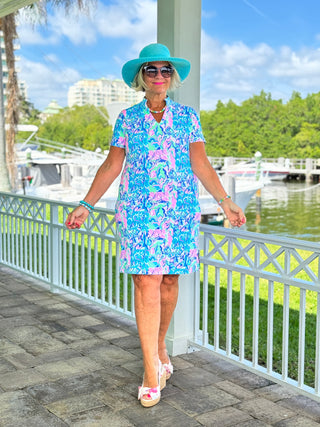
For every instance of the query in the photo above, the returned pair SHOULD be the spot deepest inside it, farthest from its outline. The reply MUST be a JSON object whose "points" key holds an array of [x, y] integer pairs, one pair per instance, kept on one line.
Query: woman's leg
{"points": [[169, 289], [147, 310]]}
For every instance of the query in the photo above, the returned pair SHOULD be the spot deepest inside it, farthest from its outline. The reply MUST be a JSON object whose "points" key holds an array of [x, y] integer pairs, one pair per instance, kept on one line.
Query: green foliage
{"points": [[266, 125], [28, 115], [84, 127]]}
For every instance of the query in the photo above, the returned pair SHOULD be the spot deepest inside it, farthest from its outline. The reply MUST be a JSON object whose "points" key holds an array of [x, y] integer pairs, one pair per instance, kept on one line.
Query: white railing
{"points": [[255, 301], [295, 164], [34, 240], [261, 304]]}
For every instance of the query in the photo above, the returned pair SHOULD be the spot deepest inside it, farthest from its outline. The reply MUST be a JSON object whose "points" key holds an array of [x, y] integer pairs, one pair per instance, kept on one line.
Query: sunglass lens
{"points": [[165, 71], [151, 71]]}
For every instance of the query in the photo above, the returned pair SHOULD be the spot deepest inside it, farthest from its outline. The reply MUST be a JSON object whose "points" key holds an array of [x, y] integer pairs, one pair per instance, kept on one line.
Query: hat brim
{"points": [[131, 68]]}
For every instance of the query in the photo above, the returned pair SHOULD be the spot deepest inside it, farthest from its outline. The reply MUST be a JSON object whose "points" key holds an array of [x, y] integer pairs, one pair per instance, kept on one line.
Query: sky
{"points": [[246, 46]]}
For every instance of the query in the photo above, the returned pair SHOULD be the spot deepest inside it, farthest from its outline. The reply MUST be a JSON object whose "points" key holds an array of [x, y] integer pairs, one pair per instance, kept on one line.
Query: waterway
{"points": [[289, 209]]}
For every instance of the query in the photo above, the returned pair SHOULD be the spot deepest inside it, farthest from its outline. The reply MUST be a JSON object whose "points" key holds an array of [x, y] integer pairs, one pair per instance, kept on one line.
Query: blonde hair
{"points": [[139, 84]]}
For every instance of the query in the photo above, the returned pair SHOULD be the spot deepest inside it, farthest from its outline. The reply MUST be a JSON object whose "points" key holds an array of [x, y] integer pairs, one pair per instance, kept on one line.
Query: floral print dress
{"points": [[157, 210]]}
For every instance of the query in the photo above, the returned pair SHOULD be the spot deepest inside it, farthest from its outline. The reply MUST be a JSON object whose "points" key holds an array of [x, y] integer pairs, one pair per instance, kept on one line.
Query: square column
{"points": [[182, 326], [179, 28]]}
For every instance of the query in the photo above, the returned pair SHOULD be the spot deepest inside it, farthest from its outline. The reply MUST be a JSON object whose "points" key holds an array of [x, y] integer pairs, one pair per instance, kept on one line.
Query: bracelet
{"points": [[86, 205], [223, 199]]}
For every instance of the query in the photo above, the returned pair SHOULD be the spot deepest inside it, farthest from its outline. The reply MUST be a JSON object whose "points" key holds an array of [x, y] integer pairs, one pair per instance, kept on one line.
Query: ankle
{"points": [[163, 355], [151, 376]]}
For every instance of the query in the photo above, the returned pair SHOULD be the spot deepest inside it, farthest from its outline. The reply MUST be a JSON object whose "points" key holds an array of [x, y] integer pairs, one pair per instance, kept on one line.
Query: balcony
{"points": [[74, 355]]}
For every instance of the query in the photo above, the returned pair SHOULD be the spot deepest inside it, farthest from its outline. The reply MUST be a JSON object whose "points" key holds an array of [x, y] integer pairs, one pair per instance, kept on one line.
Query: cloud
{"points": [[296, 64], [237, 71], [44, 83], [215, 54], [131, 19], [135, 20], [32, 36], [78, 29]]}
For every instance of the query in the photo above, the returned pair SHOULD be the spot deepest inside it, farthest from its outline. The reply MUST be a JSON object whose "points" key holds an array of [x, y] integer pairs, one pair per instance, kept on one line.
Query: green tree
{"points": [[84, 127], [306, 143], [8, 27], [263, 124], [28, 113]]}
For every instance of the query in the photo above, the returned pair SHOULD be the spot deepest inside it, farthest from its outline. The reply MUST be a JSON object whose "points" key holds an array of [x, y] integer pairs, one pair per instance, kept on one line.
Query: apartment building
{"points": [[4, 68], [102, 92], [21, 84]]}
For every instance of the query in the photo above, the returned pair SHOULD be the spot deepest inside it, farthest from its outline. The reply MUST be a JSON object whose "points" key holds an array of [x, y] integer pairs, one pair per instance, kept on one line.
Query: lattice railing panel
{"points": [[266, 256]]}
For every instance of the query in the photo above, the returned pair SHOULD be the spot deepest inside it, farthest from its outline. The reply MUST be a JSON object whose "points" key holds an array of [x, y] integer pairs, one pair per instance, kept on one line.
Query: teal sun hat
{"points": [[151, 53]]}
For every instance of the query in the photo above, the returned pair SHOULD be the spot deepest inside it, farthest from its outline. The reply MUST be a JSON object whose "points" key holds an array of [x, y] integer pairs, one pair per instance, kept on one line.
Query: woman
{"points": [[157, 211]]}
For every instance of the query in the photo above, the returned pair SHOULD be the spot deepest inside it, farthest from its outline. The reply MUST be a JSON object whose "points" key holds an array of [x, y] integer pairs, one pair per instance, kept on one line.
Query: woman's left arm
{"points": [[208, 176]]}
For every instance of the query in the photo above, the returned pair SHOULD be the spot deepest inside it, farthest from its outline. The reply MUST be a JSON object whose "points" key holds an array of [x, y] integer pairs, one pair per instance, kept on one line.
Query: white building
{"points": [[52, 109], [4, 68], [23, 89], [102, 92], [5, 73]]}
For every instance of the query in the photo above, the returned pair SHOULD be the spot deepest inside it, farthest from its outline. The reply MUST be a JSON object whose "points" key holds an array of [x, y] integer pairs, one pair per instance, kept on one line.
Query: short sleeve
{"points": [[196, 130], [119, 137]]}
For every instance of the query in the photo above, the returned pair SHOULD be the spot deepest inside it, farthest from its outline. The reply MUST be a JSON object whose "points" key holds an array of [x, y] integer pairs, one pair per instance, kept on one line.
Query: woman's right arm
{"points": [[107, 173]]}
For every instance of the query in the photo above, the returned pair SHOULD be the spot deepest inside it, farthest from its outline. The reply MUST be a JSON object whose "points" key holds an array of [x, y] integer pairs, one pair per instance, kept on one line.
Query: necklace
{"points": [[157, 112]]}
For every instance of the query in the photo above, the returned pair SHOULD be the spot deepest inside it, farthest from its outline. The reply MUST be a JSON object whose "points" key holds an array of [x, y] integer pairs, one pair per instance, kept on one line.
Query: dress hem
{"points": [[160, 272]]}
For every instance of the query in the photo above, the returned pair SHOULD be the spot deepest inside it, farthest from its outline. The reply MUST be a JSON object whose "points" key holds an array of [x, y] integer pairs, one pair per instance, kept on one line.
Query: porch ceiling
{"points": [[9, 6]]}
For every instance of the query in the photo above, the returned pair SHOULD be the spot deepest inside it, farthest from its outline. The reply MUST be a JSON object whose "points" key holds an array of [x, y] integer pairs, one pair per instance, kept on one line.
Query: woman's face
{"points": [[157, 84]]}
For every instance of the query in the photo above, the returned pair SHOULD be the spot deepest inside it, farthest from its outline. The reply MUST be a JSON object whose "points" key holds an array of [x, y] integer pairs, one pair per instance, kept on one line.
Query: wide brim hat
{"points": [[151, 53]]}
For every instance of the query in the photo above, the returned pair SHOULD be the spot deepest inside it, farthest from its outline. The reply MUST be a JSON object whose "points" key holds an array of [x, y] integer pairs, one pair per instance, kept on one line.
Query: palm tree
{"points": [[4, 175], [8, 27], [7, 152]]}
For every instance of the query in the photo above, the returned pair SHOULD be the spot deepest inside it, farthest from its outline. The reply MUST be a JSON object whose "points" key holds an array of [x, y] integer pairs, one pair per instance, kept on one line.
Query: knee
{"points": [[142, 281], [147, 285], [170, 281]]}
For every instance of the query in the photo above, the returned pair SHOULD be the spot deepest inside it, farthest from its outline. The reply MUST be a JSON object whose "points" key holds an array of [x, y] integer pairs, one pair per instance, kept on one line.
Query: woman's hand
{"points": [[234, 213], [77, 217]]}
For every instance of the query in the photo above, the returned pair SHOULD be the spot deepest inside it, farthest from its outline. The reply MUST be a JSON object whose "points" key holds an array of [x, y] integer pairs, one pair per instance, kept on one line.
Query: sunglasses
{"points": [[152, 71]]}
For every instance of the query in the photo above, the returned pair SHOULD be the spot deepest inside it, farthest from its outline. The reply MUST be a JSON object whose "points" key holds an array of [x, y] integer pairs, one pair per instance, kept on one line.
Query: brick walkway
{"points": [[65, 362]]}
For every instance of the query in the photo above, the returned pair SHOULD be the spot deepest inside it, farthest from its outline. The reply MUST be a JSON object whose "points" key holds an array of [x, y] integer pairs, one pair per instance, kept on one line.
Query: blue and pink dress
{"points": [[157, 211]]}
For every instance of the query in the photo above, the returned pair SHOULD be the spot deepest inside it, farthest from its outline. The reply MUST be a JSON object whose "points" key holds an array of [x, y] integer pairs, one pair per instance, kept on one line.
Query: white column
{"points": [[179, 28], [181, 328]]}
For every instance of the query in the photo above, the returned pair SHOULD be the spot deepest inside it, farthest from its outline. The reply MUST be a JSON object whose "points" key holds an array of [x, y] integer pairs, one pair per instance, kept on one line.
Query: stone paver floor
{"points": [[66, 362]]}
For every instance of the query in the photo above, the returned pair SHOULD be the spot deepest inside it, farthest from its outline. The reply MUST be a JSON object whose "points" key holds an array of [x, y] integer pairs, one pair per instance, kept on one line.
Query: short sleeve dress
{"points": [[157, 210]]}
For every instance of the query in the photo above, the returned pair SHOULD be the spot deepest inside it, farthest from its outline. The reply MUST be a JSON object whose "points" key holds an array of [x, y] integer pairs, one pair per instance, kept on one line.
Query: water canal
{"points": [[289, 209]]}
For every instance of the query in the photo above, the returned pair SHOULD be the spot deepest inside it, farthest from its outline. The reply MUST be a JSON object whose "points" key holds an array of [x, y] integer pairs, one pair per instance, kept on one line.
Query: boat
{"points": [[243, 191], [45, 175], [249, 170]]}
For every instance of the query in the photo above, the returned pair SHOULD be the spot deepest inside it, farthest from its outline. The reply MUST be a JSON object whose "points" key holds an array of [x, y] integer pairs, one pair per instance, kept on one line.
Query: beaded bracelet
{"points": [[86, 205], [223, 199]]}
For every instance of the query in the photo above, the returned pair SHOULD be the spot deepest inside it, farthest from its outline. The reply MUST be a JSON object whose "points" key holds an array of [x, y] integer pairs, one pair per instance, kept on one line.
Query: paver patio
{"points": [[67, 362]]}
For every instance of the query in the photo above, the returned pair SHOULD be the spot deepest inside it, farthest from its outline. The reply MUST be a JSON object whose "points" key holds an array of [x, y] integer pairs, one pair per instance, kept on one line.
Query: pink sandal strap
{"points": [[151, 393], [168, 368]]}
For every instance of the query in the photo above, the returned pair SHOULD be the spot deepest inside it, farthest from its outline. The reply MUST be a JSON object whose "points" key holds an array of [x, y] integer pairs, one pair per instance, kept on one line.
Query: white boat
{"points": [[244, 190], [271, 171], [46, 172]]}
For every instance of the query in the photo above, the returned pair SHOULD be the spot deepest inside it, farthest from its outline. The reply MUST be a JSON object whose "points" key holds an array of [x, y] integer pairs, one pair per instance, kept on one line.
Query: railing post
{"points": [[309, 170], [181, 328], [54, 248]]}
